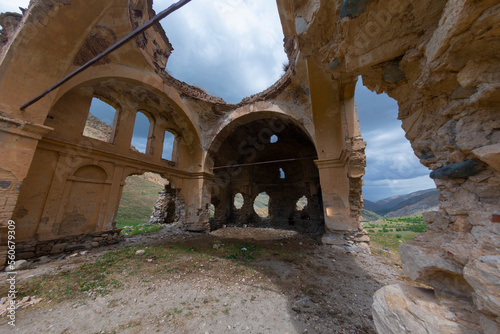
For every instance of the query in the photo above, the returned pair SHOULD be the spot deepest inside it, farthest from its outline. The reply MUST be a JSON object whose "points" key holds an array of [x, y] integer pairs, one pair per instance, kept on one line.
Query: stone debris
{"points": [[18, 265], [20, 304], [140, 252], [169, 208]]}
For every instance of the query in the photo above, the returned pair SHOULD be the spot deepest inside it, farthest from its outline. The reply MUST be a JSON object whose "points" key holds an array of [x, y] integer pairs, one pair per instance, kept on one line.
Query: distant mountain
{"points": [[404, 205], [369, 215]]}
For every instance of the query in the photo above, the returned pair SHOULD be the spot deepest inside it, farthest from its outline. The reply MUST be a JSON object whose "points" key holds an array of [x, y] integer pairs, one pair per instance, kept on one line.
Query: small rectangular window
{"points": [[100, 120]]}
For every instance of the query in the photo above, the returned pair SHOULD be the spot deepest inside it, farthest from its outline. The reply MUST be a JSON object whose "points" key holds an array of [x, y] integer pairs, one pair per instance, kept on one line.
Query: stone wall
{"points": [[439, 60], [32, 249], [169, 208]]}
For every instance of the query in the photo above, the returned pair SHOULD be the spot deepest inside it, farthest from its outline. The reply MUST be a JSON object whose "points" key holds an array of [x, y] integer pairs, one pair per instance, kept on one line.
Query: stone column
{"points": [[335, 192], [195, 190], [330, 145], [17, 148], [125, 128]]}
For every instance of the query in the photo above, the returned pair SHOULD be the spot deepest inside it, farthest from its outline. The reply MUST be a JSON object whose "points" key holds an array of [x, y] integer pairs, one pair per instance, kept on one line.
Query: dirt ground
{"points": [[291, 284]]}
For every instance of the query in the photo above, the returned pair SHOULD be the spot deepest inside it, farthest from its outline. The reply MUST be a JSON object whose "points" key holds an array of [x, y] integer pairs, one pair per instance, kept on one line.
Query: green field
{"points": [[136, 205], [391, 232]]}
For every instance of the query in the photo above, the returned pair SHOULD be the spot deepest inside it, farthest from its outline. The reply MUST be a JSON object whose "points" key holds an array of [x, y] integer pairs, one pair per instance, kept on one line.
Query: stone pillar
{"points": [[157, 140], [335, 192], [18, 142], [330, 145], [125, 128], [195, 190]]}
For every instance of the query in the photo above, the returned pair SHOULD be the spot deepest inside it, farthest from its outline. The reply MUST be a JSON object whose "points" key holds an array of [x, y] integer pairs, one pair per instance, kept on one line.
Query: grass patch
{"points": [[131, 230], [242, 252], [138, 199], [114, 270], [388, 233]]}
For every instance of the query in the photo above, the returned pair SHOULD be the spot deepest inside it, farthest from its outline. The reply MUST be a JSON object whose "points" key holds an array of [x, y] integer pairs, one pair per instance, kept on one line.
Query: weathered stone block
{"points": [[18, 265], [426, 264], [26, 255], [74, 248], [59, 248], [461, 170], [483, 275], [489, 154], [401, 308], [362, 238], [461, 224]]}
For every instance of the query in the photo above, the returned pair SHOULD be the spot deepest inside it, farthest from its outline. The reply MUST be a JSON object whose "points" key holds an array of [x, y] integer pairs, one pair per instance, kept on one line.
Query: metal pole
{"points": [[263, 163], [112, 48]]}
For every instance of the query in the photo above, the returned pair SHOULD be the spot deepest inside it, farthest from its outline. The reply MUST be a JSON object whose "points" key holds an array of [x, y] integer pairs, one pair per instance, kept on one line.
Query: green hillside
{"points": [[369, 215], [136, 205]]}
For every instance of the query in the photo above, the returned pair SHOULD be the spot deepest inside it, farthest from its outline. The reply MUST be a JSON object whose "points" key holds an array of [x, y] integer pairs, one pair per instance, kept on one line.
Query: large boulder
{"points": [[483, 275], [400, 308], [430, 264]]}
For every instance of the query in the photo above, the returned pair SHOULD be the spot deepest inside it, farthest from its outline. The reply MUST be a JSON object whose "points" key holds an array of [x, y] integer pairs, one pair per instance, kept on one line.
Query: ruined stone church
{"points": [[439, 59]]}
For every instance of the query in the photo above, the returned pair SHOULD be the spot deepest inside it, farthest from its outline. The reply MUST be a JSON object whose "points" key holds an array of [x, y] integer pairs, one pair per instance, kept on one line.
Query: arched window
{"points": [[168, 146], [238, 201], [301, 203], [142, 133], [261, 205], [100, 121]]}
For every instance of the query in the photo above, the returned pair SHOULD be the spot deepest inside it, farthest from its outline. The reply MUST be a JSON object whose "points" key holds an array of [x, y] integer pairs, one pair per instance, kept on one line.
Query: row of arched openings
{"points": [[261, 204]]}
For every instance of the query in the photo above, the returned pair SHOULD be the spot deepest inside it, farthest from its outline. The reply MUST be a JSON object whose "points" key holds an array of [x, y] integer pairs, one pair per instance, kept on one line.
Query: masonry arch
{"points": [[274, 125], [246, 144], [129, 96]]}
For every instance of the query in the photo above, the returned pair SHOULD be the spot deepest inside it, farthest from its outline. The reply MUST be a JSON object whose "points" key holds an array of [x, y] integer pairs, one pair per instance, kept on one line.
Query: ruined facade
{"points": [[438, 59]]}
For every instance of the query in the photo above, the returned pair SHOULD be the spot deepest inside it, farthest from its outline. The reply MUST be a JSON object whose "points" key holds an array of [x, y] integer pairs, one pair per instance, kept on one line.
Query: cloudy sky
{"points": [[234, 48]]}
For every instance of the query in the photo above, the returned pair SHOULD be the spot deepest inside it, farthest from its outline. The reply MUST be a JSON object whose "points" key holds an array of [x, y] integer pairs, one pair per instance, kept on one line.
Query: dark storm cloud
{"points": [[230, 48]]}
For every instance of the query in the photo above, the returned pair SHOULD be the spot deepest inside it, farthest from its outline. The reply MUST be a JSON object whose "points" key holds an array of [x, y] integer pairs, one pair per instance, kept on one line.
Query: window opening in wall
{"points": [[273, 139], [141, 133], [301, 203], [100, 120], [211, 210], [261, 205], [282, 173], [168, 146], [142, 204], [238, 201]]}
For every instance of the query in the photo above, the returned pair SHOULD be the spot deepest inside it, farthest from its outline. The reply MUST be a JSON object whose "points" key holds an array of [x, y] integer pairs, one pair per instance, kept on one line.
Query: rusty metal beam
{"points": [[109, 50]]}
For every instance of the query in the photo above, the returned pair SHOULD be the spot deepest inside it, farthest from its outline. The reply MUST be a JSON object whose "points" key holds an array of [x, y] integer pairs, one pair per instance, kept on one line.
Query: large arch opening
{"points": [[397, 188], [138, 202], [249, 163]]}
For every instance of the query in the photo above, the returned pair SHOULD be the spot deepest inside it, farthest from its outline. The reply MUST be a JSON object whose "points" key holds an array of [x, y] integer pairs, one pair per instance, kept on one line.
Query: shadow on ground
{"points": [[241, 281]]}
